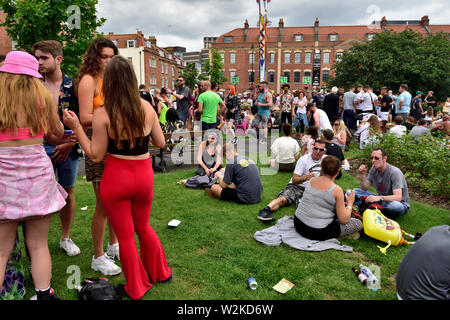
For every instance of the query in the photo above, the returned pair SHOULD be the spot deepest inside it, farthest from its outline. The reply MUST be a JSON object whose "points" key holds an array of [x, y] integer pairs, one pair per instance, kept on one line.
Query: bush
{"points": [[424, 160]]}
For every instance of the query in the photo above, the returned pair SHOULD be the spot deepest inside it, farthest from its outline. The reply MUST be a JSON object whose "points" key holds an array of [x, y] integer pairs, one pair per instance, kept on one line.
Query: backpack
{"points": [[97, 289], [197, 182]]}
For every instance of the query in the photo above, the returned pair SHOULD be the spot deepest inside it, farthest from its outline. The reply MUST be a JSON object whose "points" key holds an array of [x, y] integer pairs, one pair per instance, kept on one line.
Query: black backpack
{"points": [[97, 289]]}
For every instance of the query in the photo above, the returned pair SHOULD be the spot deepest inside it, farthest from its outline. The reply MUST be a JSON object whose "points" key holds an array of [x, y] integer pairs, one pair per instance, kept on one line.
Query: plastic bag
{"points": [[97, 289]]}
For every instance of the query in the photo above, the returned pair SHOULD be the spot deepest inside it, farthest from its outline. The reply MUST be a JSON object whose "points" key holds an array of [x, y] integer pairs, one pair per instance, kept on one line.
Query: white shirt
{"points": [[398, 130], [357, 98], [306, 165], [324, 122], [368, 97], [302, 105], [284, 149]]}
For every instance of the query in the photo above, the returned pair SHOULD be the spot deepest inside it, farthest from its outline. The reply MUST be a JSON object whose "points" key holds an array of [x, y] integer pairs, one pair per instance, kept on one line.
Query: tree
{"points": [[214, 67], [391, 59], [71, 22], [192, 76]]}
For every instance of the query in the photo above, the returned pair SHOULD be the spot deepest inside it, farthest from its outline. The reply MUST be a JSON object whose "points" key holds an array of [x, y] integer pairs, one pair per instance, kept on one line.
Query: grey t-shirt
{"points": [[391, 179], [349, 97], [419, 131], [183, 104], [244, 174], [424, 272]]}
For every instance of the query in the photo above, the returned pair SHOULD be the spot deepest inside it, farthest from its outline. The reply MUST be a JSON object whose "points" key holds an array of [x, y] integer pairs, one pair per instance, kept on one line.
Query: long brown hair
{"points": [[25, 94], [92, 56], [123, 101]]}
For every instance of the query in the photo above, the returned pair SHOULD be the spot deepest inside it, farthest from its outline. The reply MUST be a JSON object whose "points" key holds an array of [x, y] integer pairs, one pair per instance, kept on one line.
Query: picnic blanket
{"points": [[284, 232]]}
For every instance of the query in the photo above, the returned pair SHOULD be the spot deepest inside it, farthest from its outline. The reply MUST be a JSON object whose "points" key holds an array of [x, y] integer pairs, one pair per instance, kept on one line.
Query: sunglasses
{"points": [[179, 80], [320, 149], [335, 124], [375, 158]]}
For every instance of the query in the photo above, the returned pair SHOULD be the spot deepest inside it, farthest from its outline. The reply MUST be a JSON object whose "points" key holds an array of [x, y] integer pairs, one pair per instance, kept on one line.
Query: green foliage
{"points": [[391, 59], [192, 76], [71, 22], [423, 160], [214, 66]]}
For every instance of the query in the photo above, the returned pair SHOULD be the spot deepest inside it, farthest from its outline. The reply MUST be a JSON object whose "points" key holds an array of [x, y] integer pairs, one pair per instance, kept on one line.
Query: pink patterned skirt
{"points": [[28, 188]]}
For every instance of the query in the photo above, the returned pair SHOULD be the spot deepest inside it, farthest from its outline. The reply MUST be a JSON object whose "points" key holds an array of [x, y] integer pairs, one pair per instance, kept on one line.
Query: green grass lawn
{"points": [[212, 252]]}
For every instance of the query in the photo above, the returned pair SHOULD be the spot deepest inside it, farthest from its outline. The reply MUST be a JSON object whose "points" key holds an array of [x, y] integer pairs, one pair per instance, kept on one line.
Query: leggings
{"points": [[126, 190]]}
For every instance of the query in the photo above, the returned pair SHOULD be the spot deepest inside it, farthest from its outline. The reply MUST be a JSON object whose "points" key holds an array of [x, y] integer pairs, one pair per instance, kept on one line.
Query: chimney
{"points": [[152, 40], [280, 30], [316, 29], [140, 32], [246, 26], [111, 33], [425, 23], [383, 23]]}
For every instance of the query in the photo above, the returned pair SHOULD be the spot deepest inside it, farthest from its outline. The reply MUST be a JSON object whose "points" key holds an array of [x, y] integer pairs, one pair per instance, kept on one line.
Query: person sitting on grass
{"points": [[325, 212], [209, 155], [241, 182], [399, 129], [285, 150], [390, 183], [307, 167]]}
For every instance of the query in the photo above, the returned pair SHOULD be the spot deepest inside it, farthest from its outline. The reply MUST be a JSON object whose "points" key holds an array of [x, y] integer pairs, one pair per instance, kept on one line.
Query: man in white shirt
{"points": [[399, 130], [368, 100], [357, 104], [321, 120], [307, 167]]}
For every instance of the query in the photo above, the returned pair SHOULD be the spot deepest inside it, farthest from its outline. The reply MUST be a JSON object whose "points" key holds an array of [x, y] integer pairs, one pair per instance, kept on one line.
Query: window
{"points": [[251, 58], [153, 63], [271, 76], [167, 68], [307, 57], [232, 74], [251, 76], [148, 44], [339, 56], [370, 36], [326, 58], [296, 76], [332, 37], [307, 77], [297, 57], [287, 74], [298, 37], [131, 44], [173, 71], [228, 39], [153, 79], [162, 67], [325, 75], [232, 57], [287, 58], [272, 58], [222, 54]]}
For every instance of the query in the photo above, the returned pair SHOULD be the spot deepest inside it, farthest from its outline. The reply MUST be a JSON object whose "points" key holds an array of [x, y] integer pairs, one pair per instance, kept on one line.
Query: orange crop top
{"points": [[98, 99]]}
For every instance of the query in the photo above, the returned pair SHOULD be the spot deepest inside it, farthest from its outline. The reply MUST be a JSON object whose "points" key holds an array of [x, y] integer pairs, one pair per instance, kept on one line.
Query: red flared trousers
{"points": [[126, 190]]}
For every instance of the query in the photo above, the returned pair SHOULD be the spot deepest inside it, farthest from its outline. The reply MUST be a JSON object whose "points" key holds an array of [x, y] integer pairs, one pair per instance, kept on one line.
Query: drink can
{"points": [[348, 192], [252, 283]]}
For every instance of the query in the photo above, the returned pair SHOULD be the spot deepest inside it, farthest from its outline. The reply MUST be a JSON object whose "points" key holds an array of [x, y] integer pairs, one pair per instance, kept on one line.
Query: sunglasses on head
{"points": [[320, 149]]}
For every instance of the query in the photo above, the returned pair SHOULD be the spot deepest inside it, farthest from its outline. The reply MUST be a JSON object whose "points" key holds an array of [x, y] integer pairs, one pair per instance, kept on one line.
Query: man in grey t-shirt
{"points": [[349, 108], [421, 128], [182, 96], [424, 273], [241, 182], [390, 183]]}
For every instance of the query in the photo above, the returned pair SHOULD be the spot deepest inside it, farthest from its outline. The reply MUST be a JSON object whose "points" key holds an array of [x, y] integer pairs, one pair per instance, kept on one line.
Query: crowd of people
{"points": [[48, 118]]}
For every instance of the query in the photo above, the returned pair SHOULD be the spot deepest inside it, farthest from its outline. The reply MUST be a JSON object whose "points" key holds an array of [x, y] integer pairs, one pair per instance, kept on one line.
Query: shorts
{"points": [[260, 120], [291, 192], [230, 194], [66, 171], [94, 171]]}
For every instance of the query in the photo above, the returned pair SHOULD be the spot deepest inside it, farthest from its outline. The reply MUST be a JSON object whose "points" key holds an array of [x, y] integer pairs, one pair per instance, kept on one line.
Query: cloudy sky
{"points": [[185, 22]]}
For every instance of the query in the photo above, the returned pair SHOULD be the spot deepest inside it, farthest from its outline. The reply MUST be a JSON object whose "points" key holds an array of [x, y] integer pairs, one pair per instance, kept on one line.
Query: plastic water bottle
{"points": [[361, 276], [348, 192], [252, 284], [372, 281]]}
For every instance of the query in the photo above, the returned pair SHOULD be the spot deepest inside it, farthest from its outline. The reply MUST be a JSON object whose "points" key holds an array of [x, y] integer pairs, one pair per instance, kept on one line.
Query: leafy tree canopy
{"points": [[71, 22], [192, 76], [214, 66], [390, 59]]}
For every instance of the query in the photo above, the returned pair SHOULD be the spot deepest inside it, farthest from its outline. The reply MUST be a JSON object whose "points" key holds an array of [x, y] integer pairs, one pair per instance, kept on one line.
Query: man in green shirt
{"points": [[209, 103]]}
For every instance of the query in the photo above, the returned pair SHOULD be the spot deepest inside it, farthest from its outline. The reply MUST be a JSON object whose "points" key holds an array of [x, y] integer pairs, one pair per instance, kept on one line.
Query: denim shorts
{"points": [[65, 171]]}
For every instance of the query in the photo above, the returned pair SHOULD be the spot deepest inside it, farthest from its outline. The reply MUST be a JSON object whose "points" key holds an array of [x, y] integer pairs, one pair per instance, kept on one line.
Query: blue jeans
{"points": [[66, 171], [349, 119], [391, 209], [301, 117]]}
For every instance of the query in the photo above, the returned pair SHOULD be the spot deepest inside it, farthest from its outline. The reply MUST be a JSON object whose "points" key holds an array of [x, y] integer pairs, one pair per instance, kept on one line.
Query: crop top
{"points": [[22, 133], [98, 99], [126, 151]]}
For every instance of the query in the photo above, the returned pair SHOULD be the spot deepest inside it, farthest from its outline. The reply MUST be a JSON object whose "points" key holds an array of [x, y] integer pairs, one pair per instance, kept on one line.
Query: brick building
{"points": [[154, 66], [303, 55]]}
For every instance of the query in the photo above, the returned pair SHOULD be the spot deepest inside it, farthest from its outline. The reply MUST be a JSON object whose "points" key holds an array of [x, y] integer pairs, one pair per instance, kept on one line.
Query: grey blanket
{"points": [[284, 232]]}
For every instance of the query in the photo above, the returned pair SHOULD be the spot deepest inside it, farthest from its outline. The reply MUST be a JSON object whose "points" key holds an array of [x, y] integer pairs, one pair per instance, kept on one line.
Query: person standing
{"points": [[300, 115], [430, 100], [209, 103], [385, 104], [331, 104], [287, 105], [126, 187], [146, 95], [417, 110], [64, 154], [182, 96], [264, 102], [349, 108], [90, 100], [403, 102], [28, 188]]}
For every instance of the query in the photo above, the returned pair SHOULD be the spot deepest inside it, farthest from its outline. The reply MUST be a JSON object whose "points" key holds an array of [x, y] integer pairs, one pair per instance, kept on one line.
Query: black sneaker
{"points": [[169, 279], [47, 295], [265, 215], [120, 289]]}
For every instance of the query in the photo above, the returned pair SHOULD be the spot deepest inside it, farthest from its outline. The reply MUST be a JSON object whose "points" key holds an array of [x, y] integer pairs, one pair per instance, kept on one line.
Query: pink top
{"points": [[22, 133]]}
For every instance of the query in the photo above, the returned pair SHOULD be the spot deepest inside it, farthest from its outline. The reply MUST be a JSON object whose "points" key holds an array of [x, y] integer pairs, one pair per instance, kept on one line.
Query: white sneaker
{"points": [[69, 247], [113, 251], [34, 297], [105, 265]]}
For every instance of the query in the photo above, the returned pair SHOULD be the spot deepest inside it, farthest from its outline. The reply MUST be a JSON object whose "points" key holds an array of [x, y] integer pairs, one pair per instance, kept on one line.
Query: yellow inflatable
{"points": [[377, 226]]}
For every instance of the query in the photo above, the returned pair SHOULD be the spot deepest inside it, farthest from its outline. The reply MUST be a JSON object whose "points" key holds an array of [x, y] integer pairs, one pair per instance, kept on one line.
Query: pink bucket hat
{"points": [[19, 62]]}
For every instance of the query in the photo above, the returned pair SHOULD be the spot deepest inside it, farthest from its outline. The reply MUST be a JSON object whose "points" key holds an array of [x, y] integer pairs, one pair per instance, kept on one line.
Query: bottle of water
{"points": [[372, 281]]}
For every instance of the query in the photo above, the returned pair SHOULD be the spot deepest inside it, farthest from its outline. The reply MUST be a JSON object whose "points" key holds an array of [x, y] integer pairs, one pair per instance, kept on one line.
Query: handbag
{"points": [[97, 289]]}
